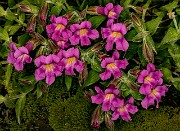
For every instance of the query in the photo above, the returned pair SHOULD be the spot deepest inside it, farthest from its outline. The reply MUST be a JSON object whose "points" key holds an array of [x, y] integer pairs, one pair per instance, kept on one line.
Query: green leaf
{"points": [[169, 7], [13, 29], [174, 51], [3, 34], [8, 74], [153, 24], [23, 39], [150, 42], [97, 20], [178, 11], [11, 3], [2, 11], [19, 107], [132, 50], [10, 15], [130, 35], [38, 90], [92, 78], [167, 75], [171, 36], [95, 65], [10, 103], [68, 81], [56, 10], [126, 93], [141, 57], [2, 99], [136, 95]]}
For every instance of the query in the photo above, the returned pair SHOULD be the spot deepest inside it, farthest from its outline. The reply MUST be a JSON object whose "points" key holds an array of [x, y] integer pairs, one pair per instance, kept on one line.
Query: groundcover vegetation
{"points": [[89, 65]]}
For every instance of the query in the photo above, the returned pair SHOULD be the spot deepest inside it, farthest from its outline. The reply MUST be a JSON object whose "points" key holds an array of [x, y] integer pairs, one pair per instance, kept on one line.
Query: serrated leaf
{"points": [[56, 10], [171, 36], [3, 34], [2, 99], [95, 65], [167, 75], [10, 15], [136, 95], [97, 20], [19, 107], [68, 81], [174, 51], [153, 24], [150, 42], [8, 74], [38, 91], [92, 78], [2, 11], [169, 7]]}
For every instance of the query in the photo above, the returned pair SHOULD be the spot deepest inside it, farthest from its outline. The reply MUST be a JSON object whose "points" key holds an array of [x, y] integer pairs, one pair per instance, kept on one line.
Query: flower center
{"points": [[122, 109], [111, 66], [49, 67], [83, 32], [23, 55], [154, 92], [147, 79], [111, 13], [71, 60], [60, 42], [109, 96], [115, 34], [60, 27]]}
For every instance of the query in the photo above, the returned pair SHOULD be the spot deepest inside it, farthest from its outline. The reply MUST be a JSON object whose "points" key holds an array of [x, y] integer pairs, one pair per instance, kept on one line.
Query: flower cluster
{"points": [[151, 87], [111, 101]]}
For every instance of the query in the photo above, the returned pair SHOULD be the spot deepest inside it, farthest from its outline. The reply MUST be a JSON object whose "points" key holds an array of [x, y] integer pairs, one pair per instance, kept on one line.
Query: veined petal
{"points": [[75, 27], [145, 89], [122, 44], [121, 63], [61, 20], [142, 75], [79, 66], [105, 32], [74, 39], [86, 24], [116, 55], [50, 79], [39, 74], [105, 75], [12, 47], [97, 99], [115, 115], [93, 34], [106, 106], [85, 41], [19, 65], [150, 67], [147, 101]]}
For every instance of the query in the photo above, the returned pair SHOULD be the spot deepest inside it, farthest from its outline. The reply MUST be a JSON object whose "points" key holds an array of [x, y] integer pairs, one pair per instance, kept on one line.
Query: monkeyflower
{"points": [[123, 110], [18, 56], [113, 66], [153, 93], [58, 28], [112, 12], [114, 33], [108, 98], [48, 66], [150, 76], [96, 117], [70, 61], [62, 43], [82, 33]]}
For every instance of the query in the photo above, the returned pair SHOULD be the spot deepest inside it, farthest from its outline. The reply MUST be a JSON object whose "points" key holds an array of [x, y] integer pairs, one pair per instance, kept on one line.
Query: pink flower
{"points": [[150, 76], [124, 109], [18, 56], [107, 98], [152, 93], [48, 66], [62, 43], [58, 28], [70, 61], [115, 34], [113, 66], [82, 33], [112, 12]]}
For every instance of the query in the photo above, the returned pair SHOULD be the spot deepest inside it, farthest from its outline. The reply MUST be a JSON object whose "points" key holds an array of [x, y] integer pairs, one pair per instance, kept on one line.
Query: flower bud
{"points": [[96, 117], [69, 15], [97, 47], [31, 25], [95, 10], [29, 45], [53, 46], [83, 75], [148, 53], [138, 9], [109, 123], [88, 95], [24, 7], [134, 86], [136, 20], [42, 15]]}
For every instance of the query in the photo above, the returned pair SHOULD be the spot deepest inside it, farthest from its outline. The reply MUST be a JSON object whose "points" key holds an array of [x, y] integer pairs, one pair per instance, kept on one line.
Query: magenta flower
{"points": [[58, 28], [48, 66], [152, 94], [150, 76], [124, 109], [70, 61], [62, 43], [108, 98], [112, 12], [113, 66], [82, 33], [115, 34], [18, 56]]}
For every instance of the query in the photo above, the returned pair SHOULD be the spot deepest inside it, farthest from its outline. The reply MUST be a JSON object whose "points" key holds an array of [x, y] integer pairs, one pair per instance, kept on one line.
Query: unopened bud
{"points": [[29, 45], [97, 47], [95, 10], [53, 46], [31, 25], [136, 20], [138, 9], [96, 117], [42, 15], [83, 75], [24, 7], [134, 72], [109, 123], [88, 95], [148, 53], [171, 15], [69, 15], [101, 55], [134, 86]]}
